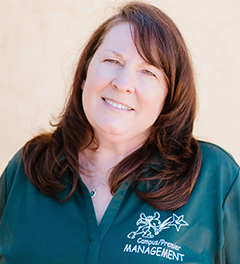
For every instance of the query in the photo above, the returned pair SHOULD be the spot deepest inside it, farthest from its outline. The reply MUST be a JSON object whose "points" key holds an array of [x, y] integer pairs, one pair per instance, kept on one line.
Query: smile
{"points": [[116, 105]]}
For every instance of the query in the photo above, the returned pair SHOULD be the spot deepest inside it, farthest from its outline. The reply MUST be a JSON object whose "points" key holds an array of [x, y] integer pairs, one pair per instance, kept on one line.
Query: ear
{"points": [[83, 84]]}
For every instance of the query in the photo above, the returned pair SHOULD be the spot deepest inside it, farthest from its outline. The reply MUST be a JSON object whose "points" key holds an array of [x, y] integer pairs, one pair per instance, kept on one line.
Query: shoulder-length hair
{"points": [[169, 185]]}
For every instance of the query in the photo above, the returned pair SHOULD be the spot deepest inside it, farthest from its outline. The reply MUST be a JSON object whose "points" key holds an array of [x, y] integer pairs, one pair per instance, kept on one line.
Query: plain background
{"points": [[42, 39]]}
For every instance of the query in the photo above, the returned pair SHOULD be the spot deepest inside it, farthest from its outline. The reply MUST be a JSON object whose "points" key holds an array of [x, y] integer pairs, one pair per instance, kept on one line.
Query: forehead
{"points": [[118, 36], [119, 42], [130, 36]]}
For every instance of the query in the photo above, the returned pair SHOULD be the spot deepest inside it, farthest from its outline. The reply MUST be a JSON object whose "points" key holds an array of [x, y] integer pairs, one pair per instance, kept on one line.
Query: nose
{"points": [[124, 81]]}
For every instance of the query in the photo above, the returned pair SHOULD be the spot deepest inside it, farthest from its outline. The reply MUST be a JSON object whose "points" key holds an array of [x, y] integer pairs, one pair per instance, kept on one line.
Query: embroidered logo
{"points": [[150, 226]]}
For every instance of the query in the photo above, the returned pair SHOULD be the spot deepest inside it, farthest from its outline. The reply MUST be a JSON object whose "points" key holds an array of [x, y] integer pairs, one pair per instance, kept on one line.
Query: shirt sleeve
{"points": [[8, 177], [231, 221], [3, 193]]}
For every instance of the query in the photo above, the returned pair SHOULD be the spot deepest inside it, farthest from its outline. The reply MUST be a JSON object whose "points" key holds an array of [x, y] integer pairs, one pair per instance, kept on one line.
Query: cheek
{"points": [[161, 97], [87, 97], [83, 84], [85, 102], [154, 107], [155, 101]]}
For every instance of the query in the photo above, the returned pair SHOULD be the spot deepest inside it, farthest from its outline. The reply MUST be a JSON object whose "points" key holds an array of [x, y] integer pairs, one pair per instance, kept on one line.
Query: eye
{"points": [[147, 72], [112, 61]]}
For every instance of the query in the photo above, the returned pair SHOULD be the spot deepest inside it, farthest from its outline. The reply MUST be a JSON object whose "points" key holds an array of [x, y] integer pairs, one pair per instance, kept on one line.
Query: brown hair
{"points": [[171, 177]]}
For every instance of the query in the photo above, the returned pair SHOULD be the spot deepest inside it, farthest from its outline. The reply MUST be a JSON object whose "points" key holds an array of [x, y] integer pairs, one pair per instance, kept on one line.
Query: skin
{"points": [[122, 97], [119, 74]]}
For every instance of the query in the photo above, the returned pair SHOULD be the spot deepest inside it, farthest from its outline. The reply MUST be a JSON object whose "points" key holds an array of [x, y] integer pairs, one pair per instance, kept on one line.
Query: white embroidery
{"points": [[150, 226], [178, 222]]}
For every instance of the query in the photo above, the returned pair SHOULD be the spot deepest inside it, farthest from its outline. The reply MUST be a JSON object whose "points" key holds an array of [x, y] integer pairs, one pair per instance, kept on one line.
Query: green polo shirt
{"points": [[36, 229]]}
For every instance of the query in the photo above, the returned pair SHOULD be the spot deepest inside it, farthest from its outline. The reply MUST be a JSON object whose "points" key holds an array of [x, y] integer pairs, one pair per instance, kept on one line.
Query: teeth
{"points": [[119, 106]]}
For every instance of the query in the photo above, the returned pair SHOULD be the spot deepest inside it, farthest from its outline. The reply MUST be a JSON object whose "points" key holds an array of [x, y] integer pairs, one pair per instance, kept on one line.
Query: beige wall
{"points": [[40, 40]]}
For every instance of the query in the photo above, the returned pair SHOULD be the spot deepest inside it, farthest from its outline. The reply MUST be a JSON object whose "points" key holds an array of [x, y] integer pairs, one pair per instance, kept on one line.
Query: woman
{"points": [[122, 179]]}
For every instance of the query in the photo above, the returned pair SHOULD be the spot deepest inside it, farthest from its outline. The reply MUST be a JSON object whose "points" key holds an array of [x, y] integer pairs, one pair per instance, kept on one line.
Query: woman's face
{"points": [[122, 94]]}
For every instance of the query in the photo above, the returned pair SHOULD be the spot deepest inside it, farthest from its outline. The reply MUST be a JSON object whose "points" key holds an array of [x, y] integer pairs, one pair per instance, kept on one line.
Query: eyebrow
{"points": [[116, 53], [119, 55]]}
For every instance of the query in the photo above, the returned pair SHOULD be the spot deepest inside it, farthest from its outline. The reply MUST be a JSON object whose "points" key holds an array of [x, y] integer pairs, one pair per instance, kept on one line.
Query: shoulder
{"points": [[12, 178], [218, 166], [215, 155], [15, 164], [13, 171]]}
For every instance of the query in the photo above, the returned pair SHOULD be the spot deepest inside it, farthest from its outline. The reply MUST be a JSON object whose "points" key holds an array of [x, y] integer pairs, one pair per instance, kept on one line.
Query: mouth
{"points": [[117, 105]]}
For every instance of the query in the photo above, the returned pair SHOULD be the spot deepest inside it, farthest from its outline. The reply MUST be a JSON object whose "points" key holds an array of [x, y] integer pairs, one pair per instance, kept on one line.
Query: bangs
{"points": [[147, 45], [151, 45]]}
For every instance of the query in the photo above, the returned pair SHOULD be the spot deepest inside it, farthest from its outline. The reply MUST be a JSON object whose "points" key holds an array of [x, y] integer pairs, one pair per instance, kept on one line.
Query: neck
{"points": [[101, 161]]}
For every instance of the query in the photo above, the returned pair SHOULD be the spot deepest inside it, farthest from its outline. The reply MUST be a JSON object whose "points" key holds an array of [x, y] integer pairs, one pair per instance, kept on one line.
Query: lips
{"points": [[117, 105]]}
